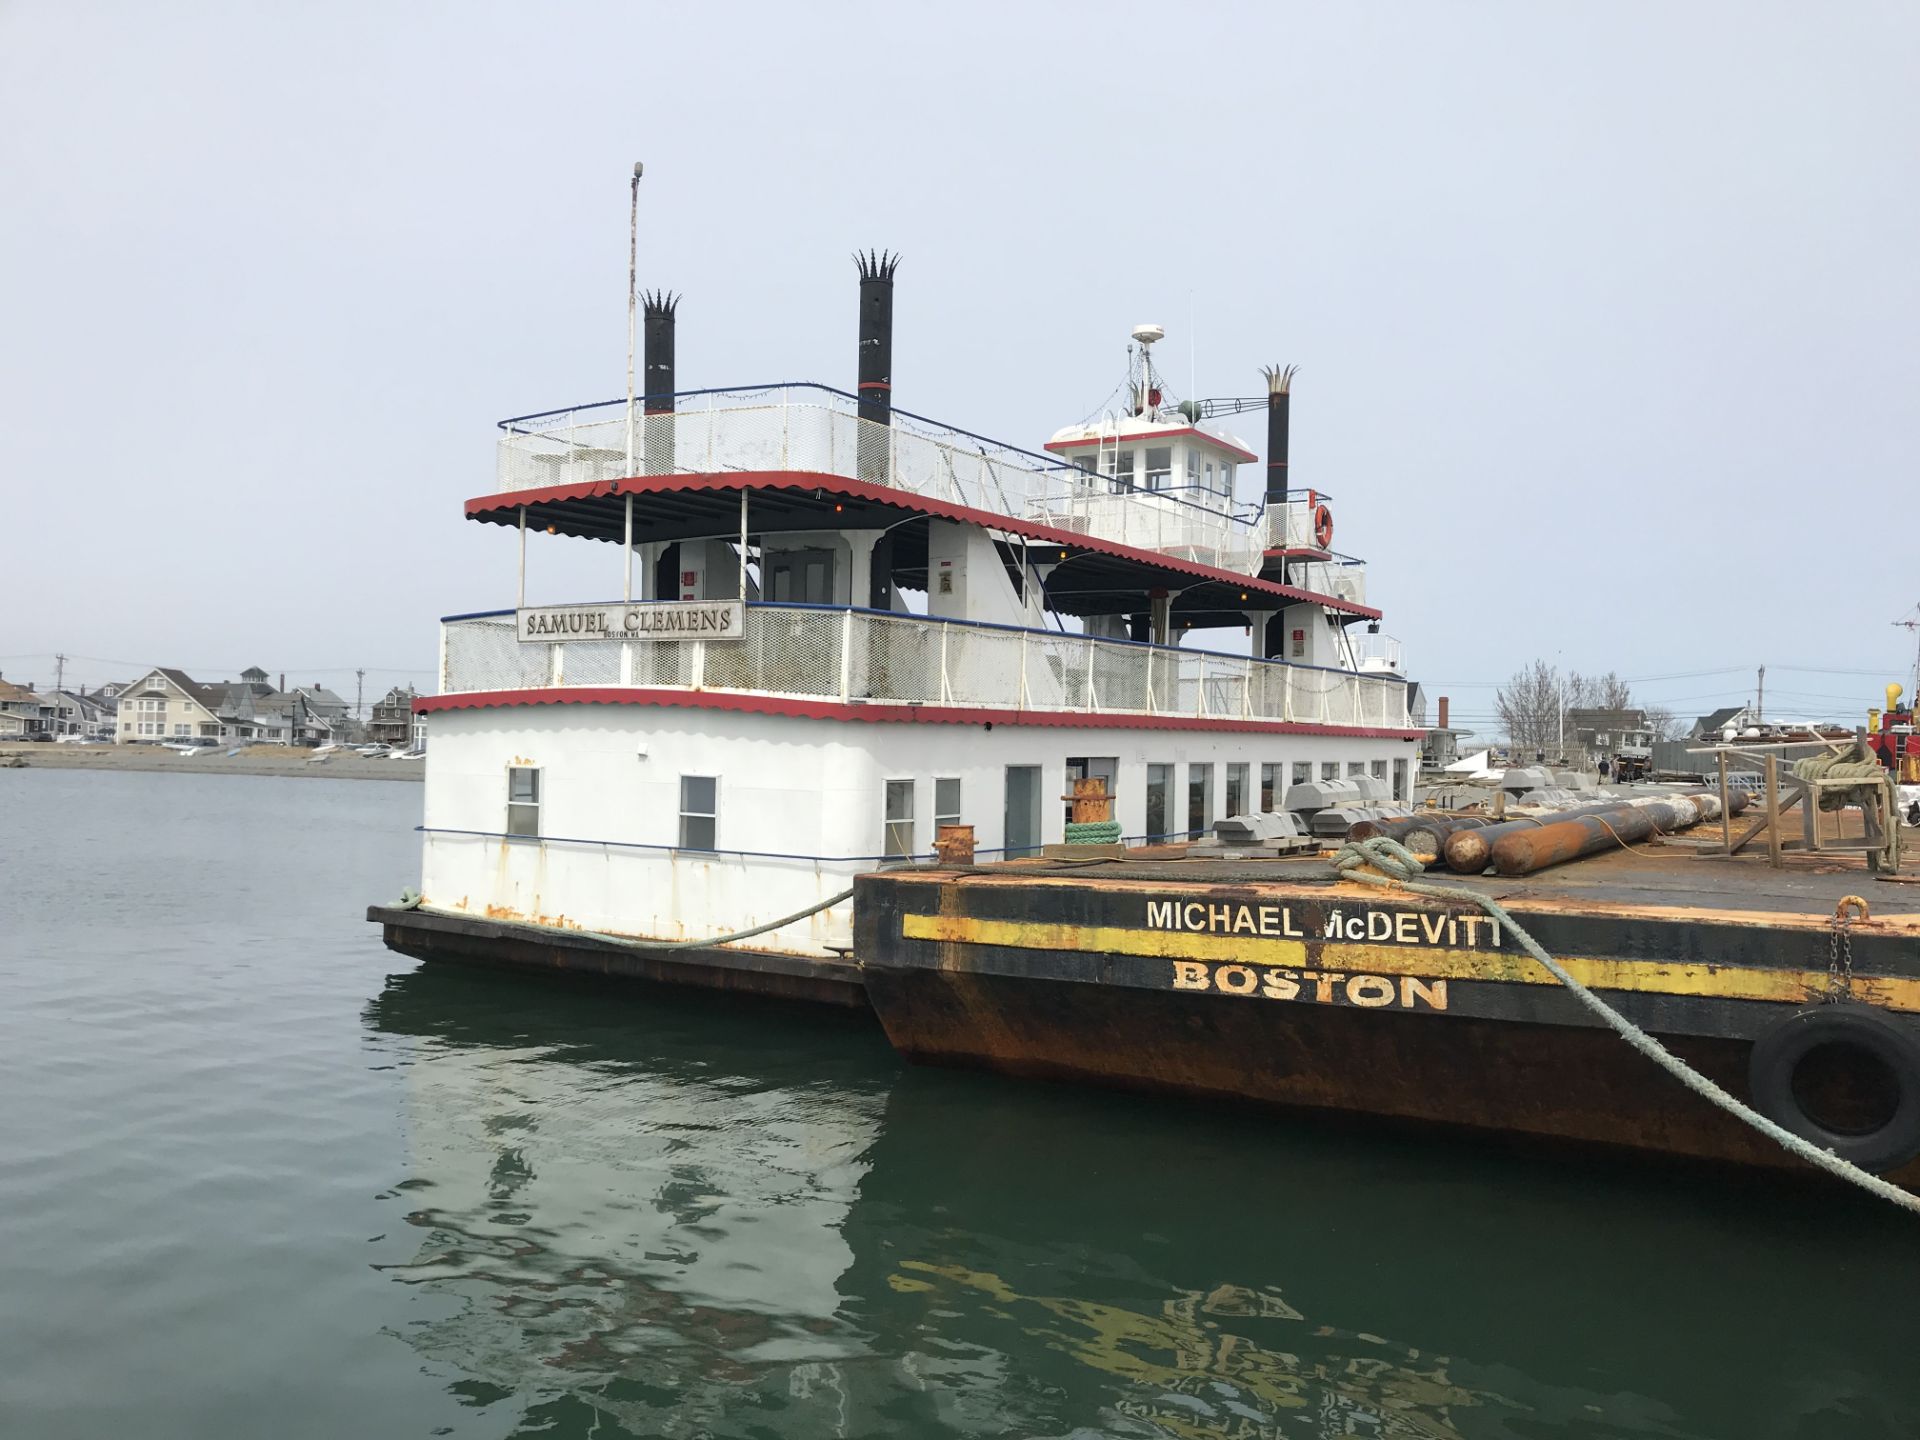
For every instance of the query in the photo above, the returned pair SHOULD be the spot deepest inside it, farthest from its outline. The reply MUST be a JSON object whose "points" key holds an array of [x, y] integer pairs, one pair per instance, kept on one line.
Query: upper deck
{"points": [[816, 429]]}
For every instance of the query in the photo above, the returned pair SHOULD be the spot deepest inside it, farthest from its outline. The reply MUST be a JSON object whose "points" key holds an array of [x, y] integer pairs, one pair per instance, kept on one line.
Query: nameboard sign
{"points": [[647, 620]]}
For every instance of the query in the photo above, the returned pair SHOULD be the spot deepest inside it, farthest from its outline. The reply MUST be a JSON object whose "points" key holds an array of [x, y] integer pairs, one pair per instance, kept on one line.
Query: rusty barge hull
{"points": [[1270, 983]]}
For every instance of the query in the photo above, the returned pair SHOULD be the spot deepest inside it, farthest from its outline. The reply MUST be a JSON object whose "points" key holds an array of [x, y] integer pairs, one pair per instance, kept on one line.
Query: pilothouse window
{"points": [[1159, 466], [1119, 467]]}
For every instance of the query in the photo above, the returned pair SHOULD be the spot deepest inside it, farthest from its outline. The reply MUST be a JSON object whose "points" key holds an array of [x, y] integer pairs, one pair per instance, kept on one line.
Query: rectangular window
{"points": [[1209, 477], [1379, 770], [699, 812], [523, 800], [1159, 786], [1237, 789], [1226, 481], [1329, 769], [1302, 772], [1269, 788], [946, 802], [183, 729], [1159, 466], [1400, 780], [898, 835], [1355, 767], [1193, 469], [1119, 468], [155, 682], [1199, 800]]}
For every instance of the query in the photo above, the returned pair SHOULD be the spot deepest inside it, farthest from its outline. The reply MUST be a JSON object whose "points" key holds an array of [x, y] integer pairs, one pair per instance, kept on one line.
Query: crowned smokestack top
{"points": [[658, 307], [1279, 395], [876, 334]]}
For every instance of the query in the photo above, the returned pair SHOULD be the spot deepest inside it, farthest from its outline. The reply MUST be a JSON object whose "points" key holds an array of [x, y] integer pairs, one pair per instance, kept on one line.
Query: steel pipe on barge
{"points": [[1423, 835], [1528, 850]]}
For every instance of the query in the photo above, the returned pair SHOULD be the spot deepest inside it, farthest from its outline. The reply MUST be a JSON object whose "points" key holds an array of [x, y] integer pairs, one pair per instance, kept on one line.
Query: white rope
{"points": [[1397, 866]]}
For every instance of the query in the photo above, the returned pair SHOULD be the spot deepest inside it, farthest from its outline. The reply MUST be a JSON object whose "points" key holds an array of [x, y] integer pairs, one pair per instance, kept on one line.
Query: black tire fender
{"points": [[1778, 1053]]}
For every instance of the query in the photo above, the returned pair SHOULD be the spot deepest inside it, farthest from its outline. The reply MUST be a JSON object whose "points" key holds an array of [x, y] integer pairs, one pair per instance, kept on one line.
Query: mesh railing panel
{"points": [[590, 662], [487, 655], [908, 660], [982, 666], [821, 433]]}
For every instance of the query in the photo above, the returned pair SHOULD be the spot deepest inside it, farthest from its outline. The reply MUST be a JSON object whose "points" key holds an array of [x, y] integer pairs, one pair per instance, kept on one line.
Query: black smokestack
{"points": [[1279, 393], [657, 308], [657, 380], [876, 358]]}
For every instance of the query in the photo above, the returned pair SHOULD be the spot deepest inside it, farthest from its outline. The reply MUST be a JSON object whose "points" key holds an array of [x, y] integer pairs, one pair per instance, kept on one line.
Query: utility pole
{"points": [[1913, 625], [1760, 701], [59, 684], [359, 695]]}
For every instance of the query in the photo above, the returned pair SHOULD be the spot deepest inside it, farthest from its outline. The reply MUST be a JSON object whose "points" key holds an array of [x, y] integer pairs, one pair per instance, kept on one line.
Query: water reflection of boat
{"points": [[634, 1232], [643, 1228]]}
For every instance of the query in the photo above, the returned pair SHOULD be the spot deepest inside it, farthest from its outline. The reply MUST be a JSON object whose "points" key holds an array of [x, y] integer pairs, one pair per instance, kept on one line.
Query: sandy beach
{"points": [[332, 766]]}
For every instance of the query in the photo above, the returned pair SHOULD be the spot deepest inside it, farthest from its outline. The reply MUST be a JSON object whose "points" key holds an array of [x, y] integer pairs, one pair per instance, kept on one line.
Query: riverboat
{"points": [[840, 626]]}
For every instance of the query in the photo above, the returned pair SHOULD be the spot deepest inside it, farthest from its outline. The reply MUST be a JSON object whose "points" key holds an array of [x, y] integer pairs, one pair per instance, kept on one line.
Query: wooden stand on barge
{"points": [[1272, 982]]}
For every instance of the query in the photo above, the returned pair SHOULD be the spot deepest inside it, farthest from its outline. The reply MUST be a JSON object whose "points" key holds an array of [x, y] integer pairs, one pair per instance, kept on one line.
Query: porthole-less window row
{"points": [[1170, 814], [699, 817]]}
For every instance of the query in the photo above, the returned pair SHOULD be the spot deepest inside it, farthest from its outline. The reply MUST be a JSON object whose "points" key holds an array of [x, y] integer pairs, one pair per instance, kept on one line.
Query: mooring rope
{"points": [[1396, 867], [411, 900]]}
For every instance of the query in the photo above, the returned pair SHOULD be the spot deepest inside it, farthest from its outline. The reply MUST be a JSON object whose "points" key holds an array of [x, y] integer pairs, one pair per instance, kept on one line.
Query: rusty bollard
{"points": [[954, 844]]}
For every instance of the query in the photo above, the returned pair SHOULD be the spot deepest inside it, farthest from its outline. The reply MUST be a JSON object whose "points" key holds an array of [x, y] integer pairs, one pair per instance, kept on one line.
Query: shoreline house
{"points": [[392, 722], [1735, 718], [166, 704], [82, 712], [1611, 734], [23, 713]]}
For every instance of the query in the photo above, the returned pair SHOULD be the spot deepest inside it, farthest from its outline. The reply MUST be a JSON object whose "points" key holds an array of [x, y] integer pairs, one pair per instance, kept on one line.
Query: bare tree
{"points": [[1664, 724], [1531, 704], [1529, 707], [1608, 692]]}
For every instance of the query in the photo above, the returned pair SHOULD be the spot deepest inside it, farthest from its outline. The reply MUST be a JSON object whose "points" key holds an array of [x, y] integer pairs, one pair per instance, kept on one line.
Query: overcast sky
{"points": [[1606, 315]]}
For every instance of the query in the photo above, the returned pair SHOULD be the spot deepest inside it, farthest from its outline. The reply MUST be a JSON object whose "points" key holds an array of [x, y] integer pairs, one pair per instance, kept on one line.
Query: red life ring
{"points": [[1322, 526]]}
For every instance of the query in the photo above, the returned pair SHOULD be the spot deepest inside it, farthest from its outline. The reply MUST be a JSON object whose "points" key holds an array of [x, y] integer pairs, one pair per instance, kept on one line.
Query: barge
{"points": [[1275, 981]]}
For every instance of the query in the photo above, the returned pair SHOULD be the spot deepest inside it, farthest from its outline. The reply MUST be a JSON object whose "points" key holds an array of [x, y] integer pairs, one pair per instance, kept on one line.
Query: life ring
{"points": [[1322, 526], [1884, 1134]]}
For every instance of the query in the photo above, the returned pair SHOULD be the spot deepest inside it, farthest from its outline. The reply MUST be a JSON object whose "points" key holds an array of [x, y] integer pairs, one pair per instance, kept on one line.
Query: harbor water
{"points": [[259, 1176]]}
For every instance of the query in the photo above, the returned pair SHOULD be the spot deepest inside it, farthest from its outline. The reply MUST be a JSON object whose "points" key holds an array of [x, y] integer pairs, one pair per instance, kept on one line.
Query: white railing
{"points": [[1342, 579], [867, 657], [816, 430]]}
